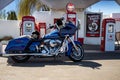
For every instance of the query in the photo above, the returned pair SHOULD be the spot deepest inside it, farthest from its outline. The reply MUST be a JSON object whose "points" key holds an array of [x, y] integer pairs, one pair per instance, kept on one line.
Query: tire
{"points": [[77, 56], [20, 59]]}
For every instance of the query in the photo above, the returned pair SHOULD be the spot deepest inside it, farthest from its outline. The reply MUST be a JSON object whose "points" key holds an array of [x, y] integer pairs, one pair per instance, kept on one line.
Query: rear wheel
{"points": [[20, 59], [77, 55]]}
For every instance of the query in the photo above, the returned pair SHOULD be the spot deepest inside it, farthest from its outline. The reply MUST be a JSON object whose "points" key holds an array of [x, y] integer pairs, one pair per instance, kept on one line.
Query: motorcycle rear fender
{"points": [[70, 46]]}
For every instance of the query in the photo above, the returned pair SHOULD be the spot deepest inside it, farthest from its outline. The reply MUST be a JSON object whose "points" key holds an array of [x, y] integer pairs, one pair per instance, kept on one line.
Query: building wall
{"points": [[116, 16], [9, 28]]}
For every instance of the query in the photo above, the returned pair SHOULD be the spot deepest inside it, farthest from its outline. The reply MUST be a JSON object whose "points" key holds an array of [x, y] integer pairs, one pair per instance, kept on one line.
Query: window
{"points": [[111, 28], [28, 27]]}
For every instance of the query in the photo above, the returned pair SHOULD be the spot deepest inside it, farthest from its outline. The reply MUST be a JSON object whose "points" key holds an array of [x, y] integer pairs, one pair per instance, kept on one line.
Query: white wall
{"points": [[117, 27], [42, 17], [81, 17], [9, 28], [47, 16], [116, 16]]}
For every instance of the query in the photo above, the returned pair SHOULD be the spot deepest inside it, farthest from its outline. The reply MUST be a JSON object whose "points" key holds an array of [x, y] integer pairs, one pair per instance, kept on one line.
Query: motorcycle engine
{"points": [[51, 45], [54, 43]]}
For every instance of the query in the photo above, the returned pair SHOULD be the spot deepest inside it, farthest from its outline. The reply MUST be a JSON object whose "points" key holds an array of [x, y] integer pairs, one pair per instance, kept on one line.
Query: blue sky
{"points": [[12, 6], [107, 7]]}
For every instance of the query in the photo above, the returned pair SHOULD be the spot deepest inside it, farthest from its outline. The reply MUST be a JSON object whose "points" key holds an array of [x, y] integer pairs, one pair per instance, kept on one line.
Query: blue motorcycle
{"points": [[57, 42]]}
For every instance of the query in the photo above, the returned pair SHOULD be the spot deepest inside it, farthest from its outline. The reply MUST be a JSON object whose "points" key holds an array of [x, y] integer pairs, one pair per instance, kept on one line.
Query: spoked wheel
{"points": [[20, 59], [77, 55]]}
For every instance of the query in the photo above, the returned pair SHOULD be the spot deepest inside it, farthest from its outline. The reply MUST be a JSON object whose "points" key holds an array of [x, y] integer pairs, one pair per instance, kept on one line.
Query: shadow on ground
{"points": [[87, 61], [51, 62]]}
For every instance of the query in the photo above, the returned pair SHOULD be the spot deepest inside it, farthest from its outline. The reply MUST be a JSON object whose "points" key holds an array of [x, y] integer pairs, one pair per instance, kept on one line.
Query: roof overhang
{"points": [[118, 1], [61, 4], [4, 3]]}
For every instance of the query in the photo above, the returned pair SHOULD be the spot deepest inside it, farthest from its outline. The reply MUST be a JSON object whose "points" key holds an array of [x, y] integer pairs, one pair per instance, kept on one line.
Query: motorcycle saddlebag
{"points": [[18, 44]]}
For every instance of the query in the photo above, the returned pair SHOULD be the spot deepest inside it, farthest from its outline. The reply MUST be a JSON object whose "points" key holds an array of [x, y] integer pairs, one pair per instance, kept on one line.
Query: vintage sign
{"points": [[93, 25]]}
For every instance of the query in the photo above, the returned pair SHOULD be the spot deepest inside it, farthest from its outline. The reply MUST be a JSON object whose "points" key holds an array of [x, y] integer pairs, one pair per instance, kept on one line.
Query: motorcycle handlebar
{"points": [[56, 25], [51, 27]]}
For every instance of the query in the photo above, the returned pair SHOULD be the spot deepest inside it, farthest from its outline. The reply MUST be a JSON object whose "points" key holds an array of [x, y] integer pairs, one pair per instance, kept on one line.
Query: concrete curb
{"points": [[101, 52]]}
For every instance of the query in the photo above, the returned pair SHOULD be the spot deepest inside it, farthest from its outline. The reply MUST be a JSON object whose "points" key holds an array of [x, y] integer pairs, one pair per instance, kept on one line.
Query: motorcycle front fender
{"points": [[70, 46]]}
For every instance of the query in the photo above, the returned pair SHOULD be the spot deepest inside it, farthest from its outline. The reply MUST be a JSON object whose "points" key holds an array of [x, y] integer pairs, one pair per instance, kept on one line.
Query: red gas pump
{"points": [[42, 29], [71, 16], [108, 35], [27, 25]]}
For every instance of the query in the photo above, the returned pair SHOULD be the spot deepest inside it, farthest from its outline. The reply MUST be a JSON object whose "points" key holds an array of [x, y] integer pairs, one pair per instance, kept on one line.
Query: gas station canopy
{"points": [[61, 4], [118, 1], [79, 4], [4, 3]]}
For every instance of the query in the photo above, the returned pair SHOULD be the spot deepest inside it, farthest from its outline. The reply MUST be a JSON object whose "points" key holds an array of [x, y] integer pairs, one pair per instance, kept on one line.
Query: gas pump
{"points": [[108, 35], [71, 16], [28, 25], [42, 29]]}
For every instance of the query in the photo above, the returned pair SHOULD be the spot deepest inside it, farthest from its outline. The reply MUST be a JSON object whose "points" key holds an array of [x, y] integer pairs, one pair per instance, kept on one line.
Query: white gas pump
{"points": [[108, 35], [28, 25]]}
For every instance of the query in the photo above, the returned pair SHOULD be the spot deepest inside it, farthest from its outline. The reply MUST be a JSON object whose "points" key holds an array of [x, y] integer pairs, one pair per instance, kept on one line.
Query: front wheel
{"points": [[77, 55], [20, 59]]}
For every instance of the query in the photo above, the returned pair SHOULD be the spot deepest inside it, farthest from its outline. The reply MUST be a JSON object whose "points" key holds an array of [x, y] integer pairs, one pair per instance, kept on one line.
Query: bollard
{"points": [[0, 49]]}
